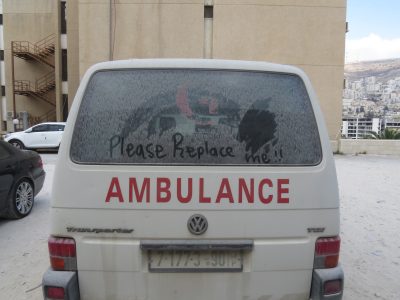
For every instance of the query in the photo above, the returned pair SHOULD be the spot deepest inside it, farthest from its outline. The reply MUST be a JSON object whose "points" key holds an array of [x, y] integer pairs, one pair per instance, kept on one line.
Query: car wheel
{"points": [[17, 144], [22, 199]]}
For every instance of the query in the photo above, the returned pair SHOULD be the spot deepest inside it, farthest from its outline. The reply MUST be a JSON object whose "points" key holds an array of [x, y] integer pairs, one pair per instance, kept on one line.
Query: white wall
{"points": [[386, 147]]}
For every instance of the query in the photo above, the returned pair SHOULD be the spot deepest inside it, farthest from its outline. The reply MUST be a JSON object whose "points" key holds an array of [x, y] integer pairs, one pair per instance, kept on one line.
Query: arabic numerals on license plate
{"points": [[225, 259], [171, 259], [195, 259], [218, 259]]}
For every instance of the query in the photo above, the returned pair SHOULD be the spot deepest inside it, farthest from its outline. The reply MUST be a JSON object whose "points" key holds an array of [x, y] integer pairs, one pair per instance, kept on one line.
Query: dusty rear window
{"points": [[195, 117]]}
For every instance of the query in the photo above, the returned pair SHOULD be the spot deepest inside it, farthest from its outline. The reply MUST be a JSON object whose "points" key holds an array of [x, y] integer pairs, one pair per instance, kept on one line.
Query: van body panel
{"points": [[278, 246], [293, 285], [150, 224], [110, 209], [302, 192]]}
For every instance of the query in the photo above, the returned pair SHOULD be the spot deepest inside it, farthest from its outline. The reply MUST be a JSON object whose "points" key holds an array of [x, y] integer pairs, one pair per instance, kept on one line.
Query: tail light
{"points": [[39, 163], [62, 253], [333, 287], [327, 252], [53, 292]]}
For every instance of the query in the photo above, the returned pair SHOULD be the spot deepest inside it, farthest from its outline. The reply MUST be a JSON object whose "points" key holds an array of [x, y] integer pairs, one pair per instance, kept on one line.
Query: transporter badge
{"points": [[197, 224]]}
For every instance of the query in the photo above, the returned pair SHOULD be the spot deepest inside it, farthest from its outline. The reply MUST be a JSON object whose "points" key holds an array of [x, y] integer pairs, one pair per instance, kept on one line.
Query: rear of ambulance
{"points": [[194, 179]]}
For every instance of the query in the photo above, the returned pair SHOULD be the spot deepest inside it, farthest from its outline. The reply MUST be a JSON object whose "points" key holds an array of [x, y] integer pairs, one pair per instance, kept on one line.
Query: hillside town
{"points": [[370, 103]]}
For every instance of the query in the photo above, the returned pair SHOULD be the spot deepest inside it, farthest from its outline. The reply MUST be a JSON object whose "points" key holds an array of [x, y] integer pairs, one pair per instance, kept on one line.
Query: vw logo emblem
{"points": [[197, 224]]}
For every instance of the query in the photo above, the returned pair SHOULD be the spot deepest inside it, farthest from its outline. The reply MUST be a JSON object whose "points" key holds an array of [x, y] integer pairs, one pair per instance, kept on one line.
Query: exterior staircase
{"points": [[42, 51], [39, 89]]}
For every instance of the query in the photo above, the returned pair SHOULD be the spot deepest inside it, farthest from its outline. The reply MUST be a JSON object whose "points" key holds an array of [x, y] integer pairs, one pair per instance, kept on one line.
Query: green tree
{"points": [[387, 134]]}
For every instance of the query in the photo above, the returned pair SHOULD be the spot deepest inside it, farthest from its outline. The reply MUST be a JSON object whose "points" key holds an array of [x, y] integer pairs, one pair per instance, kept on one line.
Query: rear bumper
{"points": [[65, 279], [320, 276], [38, 181], [69, 282], [101, 285]]}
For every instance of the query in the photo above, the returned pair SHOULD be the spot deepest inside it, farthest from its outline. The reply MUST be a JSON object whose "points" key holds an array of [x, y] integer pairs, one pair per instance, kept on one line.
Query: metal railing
{"points": [[48, 41], [45, 83], [44, 46], [39, 51], [42, 85], [23, 86], [24, 47], [38, 90]]}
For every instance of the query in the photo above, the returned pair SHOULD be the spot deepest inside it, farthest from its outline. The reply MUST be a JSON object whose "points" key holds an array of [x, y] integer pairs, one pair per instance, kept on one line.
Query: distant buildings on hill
{"points": [[370, 105], [371, 98]]}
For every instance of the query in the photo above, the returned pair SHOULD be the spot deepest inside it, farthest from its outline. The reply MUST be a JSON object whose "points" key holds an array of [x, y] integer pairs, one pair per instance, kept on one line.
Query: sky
{"points": [[374, 30]]}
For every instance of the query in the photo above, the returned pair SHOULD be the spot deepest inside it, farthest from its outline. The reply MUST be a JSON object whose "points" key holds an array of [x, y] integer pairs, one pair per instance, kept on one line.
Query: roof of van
{"points": [[196, 64]]}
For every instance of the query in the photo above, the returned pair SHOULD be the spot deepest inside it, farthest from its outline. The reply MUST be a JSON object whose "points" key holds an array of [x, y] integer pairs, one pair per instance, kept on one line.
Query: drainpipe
{"points": [[12, 86], [110, 32]]}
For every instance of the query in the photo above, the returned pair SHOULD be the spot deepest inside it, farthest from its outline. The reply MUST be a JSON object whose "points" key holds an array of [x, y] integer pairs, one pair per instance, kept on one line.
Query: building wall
{"points": [[379, 147], [139, 29], [3, 99], [307, 33], [26, 20], [360, 128], [73, 49]]}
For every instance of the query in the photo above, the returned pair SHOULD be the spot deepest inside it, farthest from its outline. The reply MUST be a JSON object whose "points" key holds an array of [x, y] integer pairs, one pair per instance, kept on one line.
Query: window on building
{"points": [[208, 12], [64, 65], [63, 17]]}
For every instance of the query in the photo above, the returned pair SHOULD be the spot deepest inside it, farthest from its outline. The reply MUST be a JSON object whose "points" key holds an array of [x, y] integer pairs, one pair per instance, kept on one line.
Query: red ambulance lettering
{"points": [[179, 195], [263, 182], [203, 199], [163, 192], [133, 187], [180, 190], [282, 190], [114, 194], [249, 192], [224, 194]]}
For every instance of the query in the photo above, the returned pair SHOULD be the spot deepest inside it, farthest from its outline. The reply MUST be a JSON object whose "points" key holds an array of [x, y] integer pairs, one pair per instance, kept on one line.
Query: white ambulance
{"points": [[194, 179]]}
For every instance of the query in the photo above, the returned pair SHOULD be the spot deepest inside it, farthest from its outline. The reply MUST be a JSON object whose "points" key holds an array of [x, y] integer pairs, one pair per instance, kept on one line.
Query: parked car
{"points": [[194, 179], [21, 179], [44, 135]]}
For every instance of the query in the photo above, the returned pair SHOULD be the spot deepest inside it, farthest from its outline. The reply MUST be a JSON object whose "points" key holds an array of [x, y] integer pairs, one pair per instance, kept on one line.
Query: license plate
{"points": [[195, 261]]}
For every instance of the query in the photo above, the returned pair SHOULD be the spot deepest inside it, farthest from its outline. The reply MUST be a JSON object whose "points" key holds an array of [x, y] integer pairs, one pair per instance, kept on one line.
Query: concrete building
{"points": [[391, 124], [29, 46], [359, 128], [307, 33]]}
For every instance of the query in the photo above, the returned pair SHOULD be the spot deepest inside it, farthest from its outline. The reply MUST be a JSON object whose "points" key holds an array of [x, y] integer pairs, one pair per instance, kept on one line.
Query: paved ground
{"points": [[370, 225], [23, 245], [370, 194]]}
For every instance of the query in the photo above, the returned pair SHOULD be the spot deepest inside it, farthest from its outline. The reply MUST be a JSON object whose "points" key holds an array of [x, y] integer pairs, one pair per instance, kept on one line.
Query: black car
{"points": [[21, 178]]}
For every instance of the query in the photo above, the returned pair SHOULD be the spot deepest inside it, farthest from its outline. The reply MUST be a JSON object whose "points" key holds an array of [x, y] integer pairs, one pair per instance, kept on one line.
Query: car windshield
{"points": [[199, 117]]}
